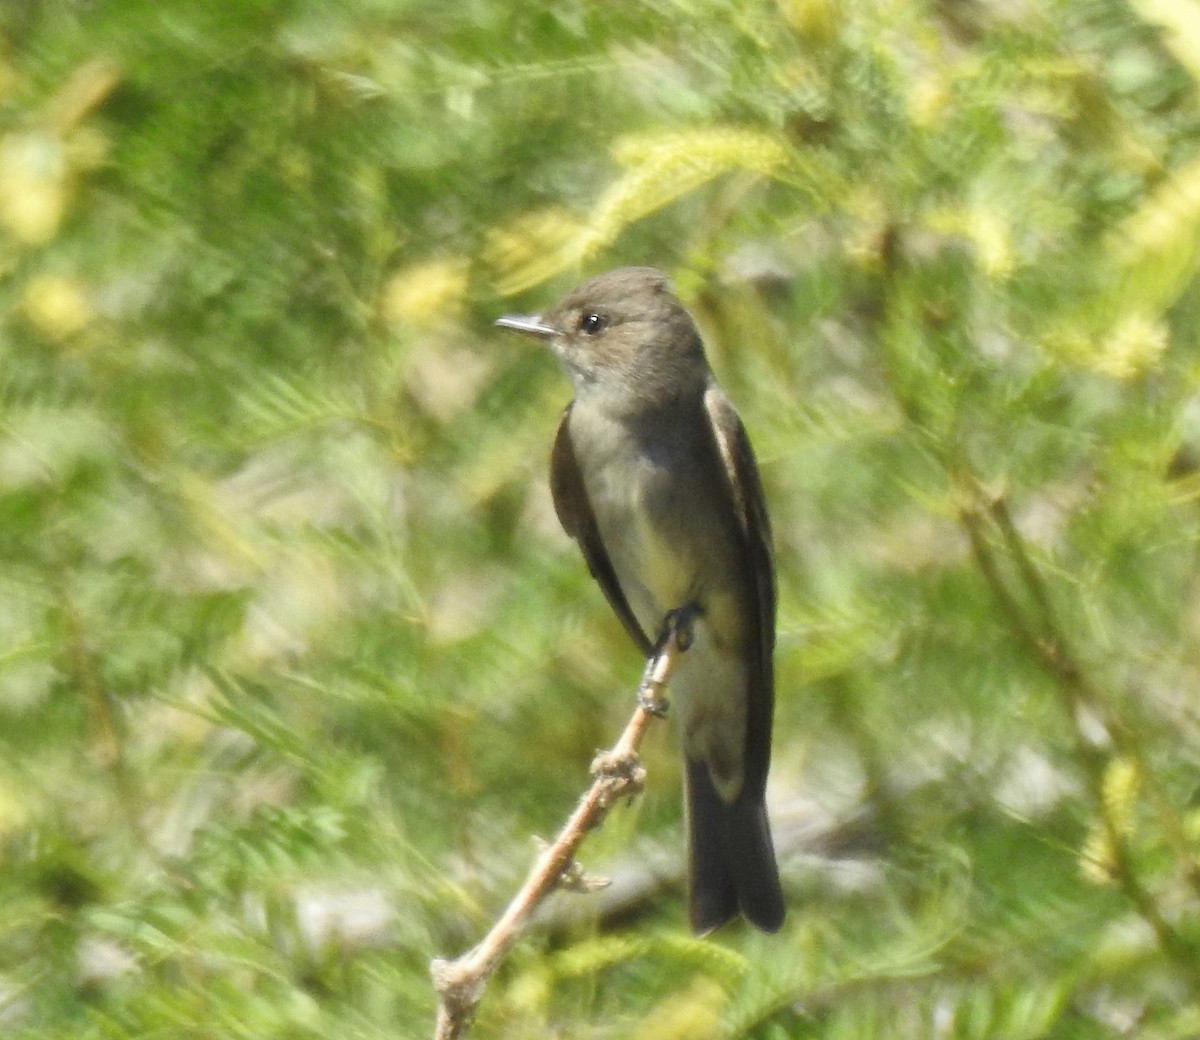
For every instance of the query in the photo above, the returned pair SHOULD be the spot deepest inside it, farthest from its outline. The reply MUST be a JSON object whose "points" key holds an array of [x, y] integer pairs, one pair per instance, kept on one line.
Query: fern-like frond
{"points": [[659, 169]]}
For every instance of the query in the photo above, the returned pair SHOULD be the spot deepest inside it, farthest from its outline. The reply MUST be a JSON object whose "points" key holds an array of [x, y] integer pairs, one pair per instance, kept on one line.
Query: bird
{"points": [[652, 474]]}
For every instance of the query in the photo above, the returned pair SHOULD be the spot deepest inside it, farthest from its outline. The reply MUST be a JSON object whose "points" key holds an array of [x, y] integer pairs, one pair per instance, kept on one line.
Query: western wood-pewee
{"points": [[653, 476]]}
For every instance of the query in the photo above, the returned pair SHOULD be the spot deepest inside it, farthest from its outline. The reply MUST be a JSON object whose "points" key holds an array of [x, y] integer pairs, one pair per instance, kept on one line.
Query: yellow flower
{"points": [[57, 306], [424, 294]]}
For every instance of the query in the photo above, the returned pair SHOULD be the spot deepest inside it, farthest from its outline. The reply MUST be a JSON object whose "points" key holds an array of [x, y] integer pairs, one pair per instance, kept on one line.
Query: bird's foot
{"points": [[679, 627], [652, 696], [677, 633]]}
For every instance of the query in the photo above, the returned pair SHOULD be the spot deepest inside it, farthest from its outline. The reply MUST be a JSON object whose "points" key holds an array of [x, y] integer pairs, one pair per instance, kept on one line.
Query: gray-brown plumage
{"points": [[653, 476]]}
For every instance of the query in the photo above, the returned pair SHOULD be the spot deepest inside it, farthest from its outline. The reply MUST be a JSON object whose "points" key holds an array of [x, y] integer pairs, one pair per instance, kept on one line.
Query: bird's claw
{"points": [[652, 697], [678, 627]]}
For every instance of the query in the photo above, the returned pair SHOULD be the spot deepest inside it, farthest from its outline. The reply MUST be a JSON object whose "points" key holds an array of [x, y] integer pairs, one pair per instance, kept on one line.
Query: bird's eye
{"points": [[592, 324]]}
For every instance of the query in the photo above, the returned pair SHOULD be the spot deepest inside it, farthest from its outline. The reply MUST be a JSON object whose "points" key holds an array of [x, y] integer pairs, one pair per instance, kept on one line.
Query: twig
{"points": [[460, 983], [1045, 640]]}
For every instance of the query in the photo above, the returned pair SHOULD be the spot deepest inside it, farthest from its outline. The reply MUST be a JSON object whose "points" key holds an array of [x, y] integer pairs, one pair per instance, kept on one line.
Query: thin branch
{"points": [[460, 983], [1074, 680], [1047, 644]]}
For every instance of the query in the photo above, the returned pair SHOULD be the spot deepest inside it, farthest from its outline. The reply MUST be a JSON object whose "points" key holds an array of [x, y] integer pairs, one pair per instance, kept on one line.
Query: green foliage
{"points": [[293, 658]]}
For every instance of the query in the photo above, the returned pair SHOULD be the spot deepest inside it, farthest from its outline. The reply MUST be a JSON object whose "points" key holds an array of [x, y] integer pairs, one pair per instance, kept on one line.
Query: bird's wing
{"points": [[750, 506], [574, 511]]}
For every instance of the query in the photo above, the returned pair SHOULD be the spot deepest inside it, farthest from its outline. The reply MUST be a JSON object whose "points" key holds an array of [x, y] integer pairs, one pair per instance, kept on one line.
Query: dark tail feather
{"points": [[731, 857]]}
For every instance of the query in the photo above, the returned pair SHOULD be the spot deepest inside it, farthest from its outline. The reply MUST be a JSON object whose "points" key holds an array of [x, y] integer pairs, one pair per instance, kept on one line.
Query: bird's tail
{"points": [[731, 857]]}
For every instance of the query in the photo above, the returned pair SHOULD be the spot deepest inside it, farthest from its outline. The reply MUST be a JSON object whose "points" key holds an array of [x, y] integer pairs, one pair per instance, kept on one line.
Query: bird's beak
{"points": [[530, 324]]}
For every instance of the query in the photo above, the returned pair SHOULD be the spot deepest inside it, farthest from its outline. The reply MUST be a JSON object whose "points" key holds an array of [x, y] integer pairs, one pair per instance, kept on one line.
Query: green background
{"points": [[294, 658]]}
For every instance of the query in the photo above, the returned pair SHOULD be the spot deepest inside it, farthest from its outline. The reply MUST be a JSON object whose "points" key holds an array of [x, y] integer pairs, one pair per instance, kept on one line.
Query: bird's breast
{"points": [[657, 512], [667, 525], [630, 502]]}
